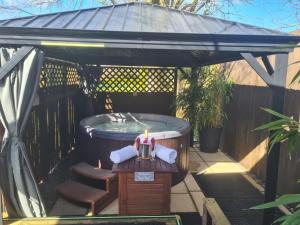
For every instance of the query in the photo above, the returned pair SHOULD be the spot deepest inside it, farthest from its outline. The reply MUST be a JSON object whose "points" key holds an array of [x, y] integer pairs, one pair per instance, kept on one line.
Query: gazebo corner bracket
{"points": [[272, 76]]}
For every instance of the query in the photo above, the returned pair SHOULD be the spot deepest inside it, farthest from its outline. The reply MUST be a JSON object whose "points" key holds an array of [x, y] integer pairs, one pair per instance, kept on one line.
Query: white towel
{"points": [[167, 154], [123, 154]]}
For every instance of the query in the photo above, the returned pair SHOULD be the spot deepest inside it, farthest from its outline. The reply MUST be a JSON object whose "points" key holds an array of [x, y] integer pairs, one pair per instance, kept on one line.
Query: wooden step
{"points": [[81, 193], [86, 170]]}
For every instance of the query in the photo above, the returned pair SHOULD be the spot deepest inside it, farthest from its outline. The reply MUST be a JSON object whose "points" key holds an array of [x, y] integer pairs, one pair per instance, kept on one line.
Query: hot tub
{"points": [[101, 134]]}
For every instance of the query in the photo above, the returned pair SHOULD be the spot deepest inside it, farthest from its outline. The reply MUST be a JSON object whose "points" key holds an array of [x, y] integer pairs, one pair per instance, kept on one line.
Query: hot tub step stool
{"points": [[81, 192], [84, 170]]}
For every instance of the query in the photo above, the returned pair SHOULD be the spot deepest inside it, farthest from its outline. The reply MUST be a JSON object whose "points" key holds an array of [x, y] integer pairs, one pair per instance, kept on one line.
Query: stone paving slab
{"points": [[191, 183], [179, 188], [214, 157], [63, 207], [224, 167], [182, 203]]}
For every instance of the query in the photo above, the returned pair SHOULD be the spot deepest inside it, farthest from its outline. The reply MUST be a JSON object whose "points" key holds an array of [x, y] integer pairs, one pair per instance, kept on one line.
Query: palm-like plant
{"points": [[203, 96], [216, 93], [187, 100]]}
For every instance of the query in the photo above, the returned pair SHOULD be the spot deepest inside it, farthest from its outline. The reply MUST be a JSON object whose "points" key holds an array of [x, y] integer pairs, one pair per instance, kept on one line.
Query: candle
{"points": [[146, 137], [99, 164]]}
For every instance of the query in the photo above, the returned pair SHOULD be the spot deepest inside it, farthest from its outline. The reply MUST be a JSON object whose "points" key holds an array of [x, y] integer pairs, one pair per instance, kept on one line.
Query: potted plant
{"points": [[216, 93], [189, 94], [201, 101]]}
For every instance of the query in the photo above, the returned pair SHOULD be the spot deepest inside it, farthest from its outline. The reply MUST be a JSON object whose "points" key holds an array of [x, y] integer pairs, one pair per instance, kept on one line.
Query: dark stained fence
{"points": [[138, 89], [244, 114], [289, 167], [52, 126], [249, 147]]}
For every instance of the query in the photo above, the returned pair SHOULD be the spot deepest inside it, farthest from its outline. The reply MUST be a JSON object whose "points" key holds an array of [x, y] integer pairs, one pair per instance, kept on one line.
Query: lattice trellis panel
{"points": [[57, 75], [137, 79]]}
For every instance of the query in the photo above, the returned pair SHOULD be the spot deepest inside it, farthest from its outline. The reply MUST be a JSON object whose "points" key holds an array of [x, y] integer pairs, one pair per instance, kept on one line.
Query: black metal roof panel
{"points": [[137, 17]]}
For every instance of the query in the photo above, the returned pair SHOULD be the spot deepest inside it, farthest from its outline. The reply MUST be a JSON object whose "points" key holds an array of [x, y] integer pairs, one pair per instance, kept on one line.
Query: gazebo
{"points": [[131, 34]]}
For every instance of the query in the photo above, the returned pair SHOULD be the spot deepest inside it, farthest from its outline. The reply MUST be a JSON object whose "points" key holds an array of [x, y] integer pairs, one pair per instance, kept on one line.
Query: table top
{"points": [[134, 165]]}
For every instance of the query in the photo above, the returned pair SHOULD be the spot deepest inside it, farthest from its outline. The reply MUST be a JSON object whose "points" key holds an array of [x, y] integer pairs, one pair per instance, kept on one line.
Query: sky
{"points": [[274, 14]]}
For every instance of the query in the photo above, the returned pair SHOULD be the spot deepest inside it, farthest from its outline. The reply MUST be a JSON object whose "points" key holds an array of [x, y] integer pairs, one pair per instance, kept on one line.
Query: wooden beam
{"points": [[213, 214], [1, 214], [280, 73], [278, 93], [252, 61], [278, 77], [267, 64]]}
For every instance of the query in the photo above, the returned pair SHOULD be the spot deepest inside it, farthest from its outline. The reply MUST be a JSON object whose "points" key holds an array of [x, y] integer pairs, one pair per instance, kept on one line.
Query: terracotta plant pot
{"points": [[209, 139]]}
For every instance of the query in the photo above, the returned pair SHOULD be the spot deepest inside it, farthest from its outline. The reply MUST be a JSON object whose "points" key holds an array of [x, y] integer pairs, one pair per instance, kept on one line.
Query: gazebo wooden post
{"points": [[277, 82], [1, 210]]}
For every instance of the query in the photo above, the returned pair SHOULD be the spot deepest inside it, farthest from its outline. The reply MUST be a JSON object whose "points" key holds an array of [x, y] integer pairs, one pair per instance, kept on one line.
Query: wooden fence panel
{"points": [[249, 147], [157, 103], [240, 140], [289, 167], [50, 132]]}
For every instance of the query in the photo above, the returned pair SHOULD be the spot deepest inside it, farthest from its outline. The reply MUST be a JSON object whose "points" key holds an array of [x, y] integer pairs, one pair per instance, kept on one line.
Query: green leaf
{"points": [[297, 75], [278, 138], [281, 219], [283, 200], [275, 133], [293, 142], [293, 219], [272, 124], [276, 113]]}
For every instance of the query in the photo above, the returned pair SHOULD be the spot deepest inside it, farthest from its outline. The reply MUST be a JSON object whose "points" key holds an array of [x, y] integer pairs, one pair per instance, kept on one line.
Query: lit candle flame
{"points": [[146, 133]]}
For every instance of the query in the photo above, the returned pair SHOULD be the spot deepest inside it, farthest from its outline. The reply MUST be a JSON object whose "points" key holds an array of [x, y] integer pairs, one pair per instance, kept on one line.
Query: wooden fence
{"points": [[51, 130], [52, 126], [240, 140], [249, 147]]}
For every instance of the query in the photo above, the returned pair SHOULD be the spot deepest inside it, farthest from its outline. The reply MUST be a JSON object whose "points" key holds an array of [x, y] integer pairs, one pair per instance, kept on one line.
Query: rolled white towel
{"points": [[123, 154], [167, 154]]}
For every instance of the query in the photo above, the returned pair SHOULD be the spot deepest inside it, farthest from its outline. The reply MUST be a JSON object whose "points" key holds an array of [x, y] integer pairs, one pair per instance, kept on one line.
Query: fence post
{"points": [[1, 202]]}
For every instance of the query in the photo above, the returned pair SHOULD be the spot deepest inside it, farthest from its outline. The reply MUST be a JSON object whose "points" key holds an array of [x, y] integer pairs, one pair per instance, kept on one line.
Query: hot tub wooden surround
{"points": [[144, 186]]}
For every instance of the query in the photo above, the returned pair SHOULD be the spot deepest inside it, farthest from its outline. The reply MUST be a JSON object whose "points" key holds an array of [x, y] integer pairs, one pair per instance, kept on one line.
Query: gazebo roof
{"points": [[137, 17], [142, 34]]}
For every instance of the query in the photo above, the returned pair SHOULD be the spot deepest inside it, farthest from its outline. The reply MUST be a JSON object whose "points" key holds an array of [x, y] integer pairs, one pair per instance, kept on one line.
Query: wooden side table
{"points": [[144, 186]]}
